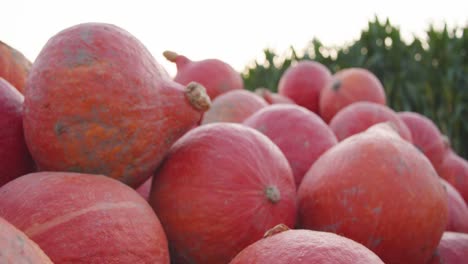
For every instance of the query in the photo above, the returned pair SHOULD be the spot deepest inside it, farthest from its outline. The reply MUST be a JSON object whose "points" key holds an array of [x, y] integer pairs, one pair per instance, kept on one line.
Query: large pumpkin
{"points": [[359, 116], [82, 218], [220, 188], [216, 75], [299, 133], [234, 106], [281, 245], [303, 83], [378, 190], [350, 85], [97, 102]]}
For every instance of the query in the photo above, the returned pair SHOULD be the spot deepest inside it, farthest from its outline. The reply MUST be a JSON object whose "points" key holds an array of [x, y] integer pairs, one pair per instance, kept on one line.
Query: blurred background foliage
{"points": [[428, 74]]}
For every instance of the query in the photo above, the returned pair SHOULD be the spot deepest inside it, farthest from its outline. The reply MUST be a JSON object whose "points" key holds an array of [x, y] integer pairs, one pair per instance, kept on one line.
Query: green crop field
{"points": [[428, 75]]}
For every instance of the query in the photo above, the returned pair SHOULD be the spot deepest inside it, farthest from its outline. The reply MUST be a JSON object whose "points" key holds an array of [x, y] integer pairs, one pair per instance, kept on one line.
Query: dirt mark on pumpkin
{"points": [[401, 166], [377, 210], [60, 128], [78, 57], [374, 242]]}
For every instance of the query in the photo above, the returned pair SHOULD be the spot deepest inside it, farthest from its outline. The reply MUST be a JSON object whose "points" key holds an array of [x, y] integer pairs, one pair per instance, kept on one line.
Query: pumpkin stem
{"points": [[275, 230], [179, 60], [446, 140], [170, 55], [273, 194], [261, 91], [264, 93], [197, 96]]}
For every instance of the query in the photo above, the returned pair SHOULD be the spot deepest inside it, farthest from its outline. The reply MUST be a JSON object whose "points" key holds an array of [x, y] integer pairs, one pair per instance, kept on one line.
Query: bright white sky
{"points": [[234, 31]]}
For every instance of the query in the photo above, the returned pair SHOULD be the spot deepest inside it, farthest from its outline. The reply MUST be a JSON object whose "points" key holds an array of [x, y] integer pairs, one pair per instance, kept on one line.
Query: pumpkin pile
{"points": [[105, 158]]}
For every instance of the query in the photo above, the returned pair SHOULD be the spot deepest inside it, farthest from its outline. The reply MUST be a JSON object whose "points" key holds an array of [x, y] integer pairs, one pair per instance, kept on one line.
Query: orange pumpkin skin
{"points": [[220, 188], [378, 190], [215, 75], [97, 102], [15, 159], [359, 116], [452, 249], [304, 82], [16, 247], [14, 66], [457, 210], [83, 218], [348, 86], [234, 107], [272, 97], [426, 136], [454, 169], [299, 133], [305, 246]]}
